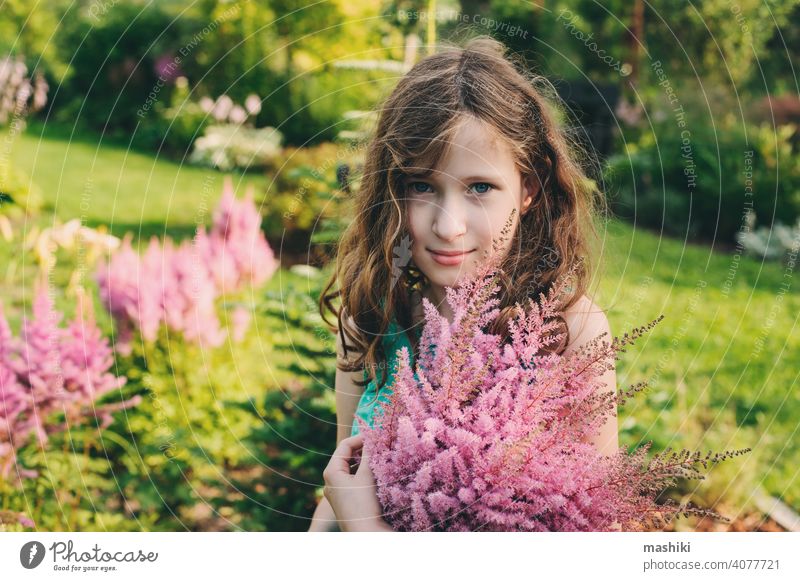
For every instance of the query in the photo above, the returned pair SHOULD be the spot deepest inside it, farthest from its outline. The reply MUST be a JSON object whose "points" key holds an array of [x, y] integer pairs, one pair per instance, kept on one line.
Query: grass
{"points": [[723, 364], [110, 185], [106, 185]]}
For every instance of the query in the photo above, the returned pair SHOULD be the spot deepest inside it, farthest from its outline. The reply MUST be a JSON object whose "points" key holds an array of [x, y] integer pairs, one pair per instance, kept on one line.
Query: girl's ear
{"points": [[530, 189]]}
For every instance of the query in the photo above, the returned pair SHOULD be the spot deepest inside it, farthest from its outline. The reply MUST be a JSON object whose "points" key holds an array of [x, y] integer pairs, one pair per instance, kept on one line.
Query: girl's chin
{"points": [[450, 279], [442, 275]]}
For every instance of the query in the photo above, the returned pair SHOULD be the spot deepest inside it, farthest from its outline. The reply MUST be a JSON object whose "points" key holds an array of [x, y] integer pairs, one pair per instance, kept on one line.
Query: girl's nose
{"points": [[449, 222]]}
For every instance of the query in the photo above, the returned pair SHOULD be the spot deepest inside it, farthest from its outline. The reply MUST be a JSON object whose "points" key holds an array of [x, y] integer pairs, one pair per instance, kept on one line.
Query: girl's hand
{"points": [[353, 496]]}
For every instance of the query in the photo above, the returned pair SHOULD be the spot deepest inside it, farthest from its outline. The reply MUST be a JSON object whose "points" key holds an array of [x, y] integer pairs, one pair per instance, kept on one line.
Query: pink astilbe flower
{"points": [[166, 285], [179, 285], [477, 437], [37, 359], [236, 250], [86, 357], [10, 517], [130, 288], [221, 265], [189, 295], [15, 424], [51, 369], [150, 290]]}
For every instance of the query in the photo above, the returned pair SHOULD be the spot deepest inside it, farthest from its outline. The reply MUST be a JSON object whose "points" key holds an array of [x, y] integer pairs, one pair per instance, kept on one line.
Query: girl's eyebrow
{"points": [[486, 178], [431, 177]]}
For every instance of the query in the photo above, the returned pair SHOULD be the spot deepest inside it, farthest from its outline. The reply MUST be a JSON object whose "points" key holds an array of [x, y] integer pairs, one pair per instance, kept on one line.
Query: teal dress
{"points": [[370, 401]]}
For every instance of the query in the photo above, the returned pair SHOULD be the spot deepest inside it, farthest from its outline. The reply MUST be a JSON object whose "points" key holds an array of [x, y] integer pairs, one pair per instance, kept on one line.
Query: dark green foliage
{"points": [[290, 448], [278, 485], [689, 180], [114, 81]]}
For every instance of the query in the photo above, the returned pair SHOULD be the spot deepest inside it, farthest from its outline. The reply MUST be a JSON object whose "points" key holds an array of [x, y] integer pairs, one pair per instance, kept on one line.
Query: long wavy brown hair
{"points": [[553, 238]]}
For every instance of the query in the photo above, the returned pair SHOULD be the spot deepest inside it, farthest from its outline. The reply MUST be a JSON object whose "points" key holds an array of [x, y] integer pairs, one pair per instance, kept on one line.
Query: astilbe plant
{"points": [[130, 288], [491, 436], [236, 251], [51, 370], [178, 285]]}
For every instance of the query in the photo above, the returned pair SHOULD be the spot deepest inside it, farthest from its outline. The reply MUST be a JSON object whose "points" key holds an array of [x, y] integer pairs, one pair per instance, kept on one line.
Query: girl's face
{"points": [[463, 205]]}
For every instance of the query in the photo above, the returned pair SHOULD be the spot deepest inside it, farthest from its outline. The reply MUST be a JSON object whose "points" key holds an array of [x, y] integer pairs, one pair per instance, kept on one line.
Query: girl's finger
{"points": [[363, 468], [340, 460], [363, 465]]}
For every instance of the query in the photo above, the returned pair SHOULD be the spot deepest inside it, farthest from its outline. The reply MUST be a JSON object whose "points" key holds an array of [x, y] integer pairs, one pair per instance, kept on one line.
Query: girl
{"points": [[466, 145]]}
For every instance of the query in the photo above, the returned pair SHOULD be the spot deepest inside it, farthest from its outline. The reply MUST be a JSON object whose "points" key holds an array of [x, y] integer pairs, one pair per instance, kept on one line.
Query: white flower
{"points": [[5, 228], [207, 104], [253, 104], [222, 108], [237, 115], [64, 235], [305, 270]]}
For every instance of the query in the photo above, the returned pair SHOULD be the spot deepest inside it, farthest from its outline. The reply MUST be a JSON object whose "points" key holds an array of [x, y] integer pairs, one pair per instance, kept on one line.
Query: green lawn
{"points": [[127, 191], [723, 364]]}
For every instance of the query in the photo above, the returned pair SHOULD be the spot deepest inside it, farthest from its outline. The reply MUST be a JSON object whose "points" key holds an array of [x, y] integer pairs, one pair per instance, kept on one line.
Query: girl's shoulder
{"points": [[585, 320]]}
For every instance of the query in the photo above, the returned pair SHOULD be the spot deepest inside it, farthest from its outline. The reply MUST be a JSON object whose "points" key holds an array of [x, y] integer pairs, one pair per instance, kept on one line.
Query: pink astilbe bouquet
{"points": [[179, 285], [49, 370], [490, 436]]}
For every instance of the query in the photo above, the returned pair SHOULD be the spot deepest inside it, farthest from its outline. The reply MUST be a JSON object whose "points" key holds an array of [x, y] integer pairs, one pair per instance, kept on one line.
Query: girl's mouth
{"points": [[449, 260]]}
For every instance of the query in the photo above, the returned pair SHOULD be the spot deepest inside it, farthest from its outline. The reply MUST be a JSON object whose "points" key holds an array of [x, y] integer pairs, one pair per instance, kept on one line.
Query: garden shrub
{"points": [[18, 194], [57, 395], [691, 181], [305, 197], [117, 62], [293, 432], [186, 436]]}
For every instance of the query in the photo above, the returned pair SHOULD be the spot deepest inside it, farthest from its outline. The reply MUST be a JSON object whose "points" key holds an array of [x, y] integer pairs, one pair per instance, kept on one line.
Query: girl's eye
{"points": [[419, 187], [482, 188]]}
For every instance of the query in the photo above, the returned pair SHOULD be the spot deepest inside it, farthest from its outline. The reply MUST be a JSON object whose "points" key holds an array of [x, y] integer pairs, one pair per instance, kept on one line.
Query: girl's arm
{"points": [[586, 321], [324, 519], [347, 397]]}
